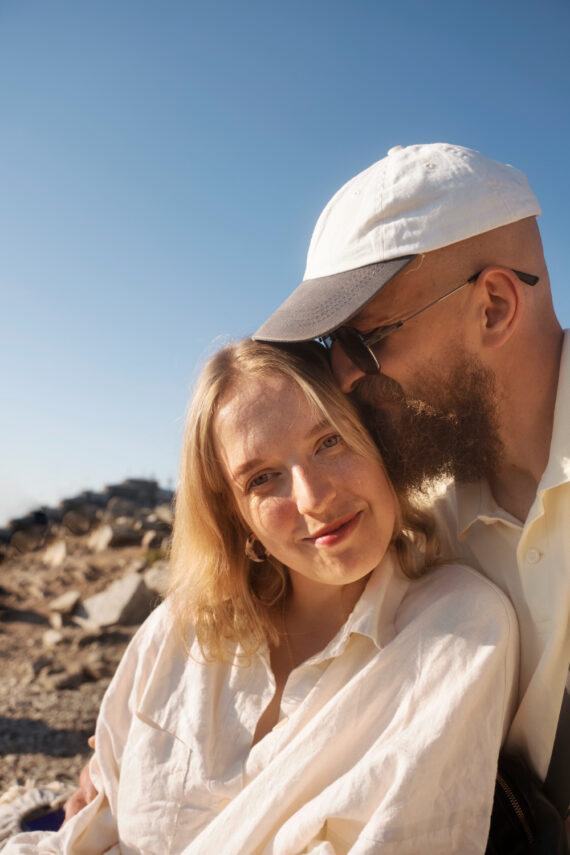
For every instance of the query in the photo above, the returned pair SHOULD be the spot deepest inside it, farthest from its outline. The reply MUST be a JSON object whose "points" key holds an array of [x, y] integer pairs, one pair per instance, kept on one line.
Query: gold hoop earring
{"points": [[255, 550]]}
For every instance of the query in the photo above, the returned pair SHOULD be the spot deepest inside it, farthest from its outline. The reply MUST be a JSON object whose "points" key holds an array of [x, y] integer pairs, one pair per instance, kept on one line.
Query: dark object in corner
{"points": [[43, 819], [524, 821]]}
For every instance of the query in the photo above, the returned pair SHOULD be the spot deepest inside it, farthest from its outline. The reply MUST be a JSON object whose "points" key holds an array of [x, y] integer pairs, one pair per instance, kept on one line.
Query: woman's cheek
{"points": [[273, 517]]}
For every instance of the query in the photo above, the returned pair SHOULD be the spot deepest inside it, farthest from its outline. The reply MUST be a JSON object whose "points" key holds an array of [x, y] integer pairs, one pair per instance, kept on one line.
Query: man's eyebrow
{"points": [[369, 324], [363, 319]]}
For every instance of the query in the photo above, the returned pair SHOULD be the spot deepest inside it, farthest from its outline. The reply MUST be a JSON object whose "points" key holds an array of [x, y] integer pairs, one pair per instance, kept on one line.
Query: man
{"points": [[428, 267]]}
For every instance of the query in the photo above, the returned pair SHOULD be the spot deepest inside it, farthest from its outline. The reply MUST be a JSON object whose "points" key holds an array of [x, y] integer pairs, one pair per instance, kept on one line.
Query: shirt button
{"points": [[533, 556]]}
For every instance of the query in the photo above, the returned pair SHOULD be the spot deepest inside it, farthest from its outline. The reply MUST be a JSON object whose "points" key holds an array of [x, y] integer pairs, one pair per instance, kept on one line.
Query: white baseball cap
{"points": [[416, 199]]}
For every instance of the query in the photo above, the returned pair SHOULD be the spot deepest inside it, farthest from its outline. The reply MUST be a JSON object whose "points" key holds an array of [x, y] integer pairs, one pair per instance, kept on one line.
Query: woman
{"points": [[307, 686]]}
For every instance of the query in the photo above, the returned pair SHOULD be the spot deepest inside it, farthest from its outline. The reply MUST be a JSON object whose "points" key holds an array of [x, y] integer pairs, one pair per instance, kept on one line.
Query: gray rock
{"points": [[26, 540], [55, 553], [57, 678], [108, 536], [156, 578], [151, 539], [65, 603], [125, 521], [138, 490], [118, 506], [80, 520], [91, 630], [127, 601], [137, 565], [52, 637], [56, 620], [31, 520], [41, 663], [165, 514], [53, 515]]}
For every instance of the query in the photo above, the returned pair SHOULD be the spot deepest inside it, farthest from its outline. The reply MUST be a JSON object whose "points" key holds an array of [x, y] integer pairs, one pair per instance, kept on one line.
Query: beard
{"points": [[447, 427]]}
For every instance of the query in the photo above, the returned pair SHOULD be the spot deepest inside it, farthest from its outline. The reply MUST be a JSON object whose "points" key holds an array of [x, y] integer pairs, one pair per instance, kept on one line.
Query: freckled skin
{"points": [[302, 478]]}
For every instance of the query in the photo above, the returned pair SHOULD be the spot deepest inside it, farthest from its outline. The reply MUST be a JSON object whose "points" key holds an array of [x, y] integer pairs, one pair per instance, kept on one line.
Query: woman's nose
{"points": [[313, 490], [347, 374]]}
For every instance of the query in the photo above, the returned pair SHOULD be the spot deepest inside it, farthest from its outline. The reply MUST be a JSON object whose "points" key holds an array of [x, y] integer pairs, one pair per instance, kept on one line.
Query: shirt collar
{"points": [[558, 467], [167, 697], [375, 612], [475, 501]]}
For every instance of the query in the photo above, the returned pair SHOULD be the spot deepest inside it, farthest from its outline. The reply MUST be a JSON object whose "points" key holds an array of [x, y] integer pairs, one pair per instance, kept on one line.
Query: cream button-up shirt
{"points": [[531, 563], [387, 740]]}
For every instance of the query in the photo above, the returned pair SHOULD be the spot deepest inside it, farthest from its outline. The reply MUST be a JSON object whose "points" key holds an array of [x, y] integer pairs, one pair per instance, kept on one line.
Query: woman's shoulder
{"points": [[159, 634], [157, 648], [459, 596], [458, 577], [157, 625]]}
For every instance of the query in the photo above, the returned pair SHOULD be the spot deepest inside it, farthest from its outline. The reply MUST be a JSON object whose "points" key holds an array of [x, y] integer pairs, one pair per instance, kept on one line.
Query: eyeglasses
{"points": [[358, 346]]}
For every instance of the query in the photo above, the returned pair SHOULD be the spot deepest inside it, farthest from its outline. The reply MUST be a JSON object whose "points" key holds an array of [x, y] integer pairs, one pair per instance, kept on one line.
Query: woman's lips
{"points": [[334, 533]]}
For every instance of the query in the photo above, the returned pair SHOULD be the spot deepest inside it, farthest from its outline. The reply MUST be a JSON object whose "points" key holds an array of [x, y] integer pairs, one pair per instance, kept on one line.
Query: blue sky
{"points": [[162, 165]]}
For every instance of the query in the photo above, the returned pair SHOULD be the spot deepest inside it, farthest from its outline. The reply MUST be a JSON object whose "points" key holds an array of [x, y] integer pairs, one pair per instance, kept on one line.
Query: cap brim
{"points": [[319, 306]]}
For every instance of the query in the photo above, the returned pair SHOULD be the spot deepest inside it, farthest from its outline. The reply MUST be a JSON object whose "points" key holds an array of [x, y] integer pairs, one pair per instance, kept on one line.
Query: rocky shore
{"points": [[75, 583]]}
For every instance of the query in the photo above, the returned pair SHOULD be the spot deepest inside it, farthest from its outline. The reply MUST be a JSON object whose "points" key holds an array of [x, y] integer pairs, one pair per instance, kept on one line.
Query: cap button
{"points": [[394, 149]]}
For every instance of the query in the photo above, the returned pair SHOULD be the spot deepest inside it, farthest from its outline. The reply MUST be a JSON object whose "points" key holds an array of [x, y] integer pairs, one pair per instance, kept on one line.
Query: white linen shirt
{"points": [[531, 563], [387, 740]]}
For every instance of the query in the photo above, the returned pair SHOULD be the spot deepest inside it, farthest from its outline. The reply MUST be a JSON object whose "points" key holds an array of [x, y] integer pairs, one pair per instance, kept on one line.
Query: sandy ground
{"points": [[50, 693]]}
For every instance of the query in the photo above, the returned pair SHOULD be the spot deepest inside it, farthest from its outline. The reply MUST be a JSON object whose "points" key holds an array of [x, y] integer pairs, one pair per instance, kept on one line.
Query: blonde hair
{"points": [[215, 588]]}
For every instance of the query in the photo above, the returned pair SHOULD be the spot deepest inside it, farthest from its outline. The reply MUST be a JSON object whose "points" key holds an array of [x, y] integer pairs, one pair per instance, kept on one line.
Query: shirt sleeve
{"points": [[442, 768]]}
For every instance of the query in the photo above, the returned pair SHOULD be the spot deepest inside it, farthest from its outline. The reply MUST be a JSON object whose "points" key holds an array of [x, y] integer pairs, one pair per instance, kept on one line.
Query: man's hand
{"points": [[86, 792]]}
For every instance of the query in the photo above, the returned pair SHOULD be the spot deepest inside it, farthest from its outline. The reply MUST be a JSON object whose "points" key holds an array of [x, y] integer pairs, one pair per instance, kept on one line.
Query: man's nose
{"points": [[347, 374], [313, 489]]}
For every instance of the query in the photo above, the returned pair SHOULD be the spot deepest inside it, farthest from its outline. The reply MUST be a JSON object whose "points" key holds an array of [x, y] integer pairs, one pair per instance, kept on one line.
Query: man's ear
{"points": [[500, 295]]}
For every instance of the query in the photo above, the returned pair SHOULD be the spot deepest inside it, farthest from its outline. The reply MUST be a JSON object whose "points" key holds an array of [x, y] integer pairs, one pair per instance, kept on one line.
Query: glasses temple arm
{"points": [[387, 330]]}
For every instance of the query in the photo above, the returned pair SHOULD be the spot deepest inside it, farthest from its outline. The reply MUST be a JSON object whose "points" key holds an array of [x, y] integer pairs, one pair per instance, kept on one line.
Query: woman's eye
{"points": [[258, 481], [332, 440]]}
